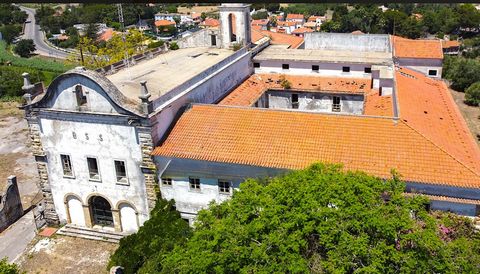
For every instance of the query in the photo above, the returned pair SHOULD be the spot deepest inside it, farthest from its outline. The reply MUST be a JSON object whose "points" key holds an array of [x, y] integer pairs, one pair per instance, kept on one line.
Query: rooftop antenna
{"points": [[122, 28]]}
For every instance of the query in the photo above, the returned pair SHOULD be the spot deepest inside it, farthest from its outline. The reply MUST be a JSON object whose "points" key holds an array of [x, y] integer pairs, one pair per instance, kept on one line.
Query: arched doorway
{"points": [[128, 217], [101, 211], [75, 210], [232, 26]]}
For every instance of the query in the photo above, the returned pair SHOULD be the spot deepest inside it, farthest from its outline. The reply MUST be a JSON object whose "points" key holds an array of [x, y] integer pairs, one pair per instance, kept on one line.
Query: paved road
{"points": [[32, 31], [15, 239]]}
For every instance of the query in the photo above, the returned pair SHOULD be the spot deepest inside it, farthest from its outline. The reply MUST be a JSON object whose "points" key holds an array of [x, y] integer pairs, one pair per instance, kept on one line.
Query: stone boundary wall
{"points": [[10, 204]]}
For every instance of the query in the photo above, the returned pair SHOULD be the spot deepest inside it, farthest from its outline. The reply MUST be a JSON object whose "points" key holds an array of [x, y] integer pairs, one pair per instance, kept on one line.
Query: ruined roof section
{"points": [[294, 140], [348, 42], [423, 49], [251, 89], [427, 106], [330, 56]]}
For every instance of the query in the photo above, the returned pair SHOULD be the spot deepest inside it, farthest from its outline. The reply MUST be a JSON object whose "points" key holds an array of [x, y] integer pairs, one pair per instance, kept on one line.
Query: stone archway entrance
{"points": [[101, 211]]}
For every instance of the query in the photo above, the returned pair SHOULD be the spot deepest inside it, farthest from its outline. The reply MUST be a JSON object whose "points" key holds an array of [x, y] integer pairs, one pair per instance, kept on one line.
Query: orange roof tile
{"points": [[408, 48], [357, 32], [163, 23], [106, 35], [302, 30], [314, 18], [450, 44], [428, 107], [247, 93], [286, 24], [210, 22], [292, 16], [294, 140], [377, 105], [277, 38], [259, 22], [310, 25]]}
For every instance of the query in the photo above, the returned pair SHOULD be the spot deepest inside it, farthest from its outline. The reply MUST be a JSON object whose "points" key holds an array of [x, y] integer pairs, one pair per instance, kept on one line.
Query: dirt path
{"points": [[63, 254], [15, 155], [470, 114]]}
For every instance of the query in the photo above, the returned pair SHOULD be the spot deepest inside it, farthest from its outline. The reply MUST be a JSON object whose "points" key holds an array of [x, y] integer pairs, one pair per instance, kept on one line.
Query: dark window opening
{"points": [[66, 165], [285, 66], [336, 107], [194, 183], [315, 68], [346, 69], [294, 100], [167, 181], [214, 40], [93, 169], [81, 97], [256, 65], [120, 171], [432, 72], [368, 70], [224, 187]]}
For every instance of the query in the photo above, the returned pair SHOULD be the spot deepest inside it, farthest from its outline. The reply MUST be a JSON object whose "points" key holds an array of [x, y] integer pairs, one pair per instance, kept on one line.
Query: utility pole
{"points": [[122, 26]]}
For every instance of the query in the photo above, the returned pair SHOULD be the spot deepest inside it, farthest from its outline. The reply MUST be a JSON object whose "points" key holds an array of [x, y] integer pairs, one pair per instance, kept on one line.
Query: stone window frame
{"points": [[168, 180], [194, 189], [230, 187], [71, 166], [121, 182], [98, 169]]}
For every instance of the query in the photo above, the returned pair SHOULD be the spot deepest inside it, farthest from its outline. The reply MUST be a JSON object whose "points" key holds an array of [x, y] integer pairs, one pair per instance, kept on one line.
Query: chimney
{"points": [[27, 85], [144, 96]]}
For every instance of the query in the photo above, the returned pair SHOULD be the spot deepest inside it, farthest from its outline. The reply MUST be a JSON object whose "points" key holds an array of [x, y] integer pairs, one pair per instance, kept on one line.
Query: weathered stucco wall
{"points": [[10, 204], [188, 202], [305, 68], [422, 65], [321, 102], [201, 38], [462, 209], [348, 41], [208, 87]]}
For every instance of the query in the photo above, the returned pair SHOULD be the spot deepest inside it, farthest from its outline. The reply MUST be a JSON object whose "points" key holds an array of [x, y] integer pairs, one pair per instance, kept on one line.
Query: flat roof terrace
{"points": [[166, 71], [320, 55]]}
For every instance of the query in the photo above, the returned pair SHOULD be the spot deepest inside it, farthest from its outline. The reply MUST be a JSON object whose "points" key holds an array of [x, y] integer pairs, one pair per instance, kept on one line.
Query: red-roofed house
{"points": [[451, 47], [262, 23], [210, 23], [297, 18], [300, 32]]}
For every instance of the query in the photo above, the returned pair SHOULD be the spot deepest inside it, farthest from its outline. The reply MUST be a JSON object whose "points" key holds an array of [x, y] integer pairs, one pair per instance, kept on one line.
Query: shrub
{"points": [[285, 83], [236, 46], [25, 47], [6, 268], [472, 94], [12, 81], [155, 44], [173, 46]]}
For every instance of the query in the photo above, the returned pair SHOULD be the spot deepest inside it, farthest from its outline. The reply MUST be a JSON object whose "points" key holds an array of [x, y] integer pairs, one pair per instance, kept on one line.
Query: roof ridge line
{"points": [[443, 150], [297, 111]]}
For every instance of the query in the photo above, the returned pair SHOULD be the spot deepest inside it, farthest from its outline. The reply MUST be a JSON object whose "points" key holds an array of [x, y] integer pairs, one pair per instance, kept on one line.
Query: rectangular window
{"points": [[66, 165], [346, 69], [224, 187], [120, 171], [315, 68], [167, 181], [432, 72], [285, 66], [93, 169], [194, 183], [256, 65], [336, 107], [295, 101], [81, 97], [368, 70]]}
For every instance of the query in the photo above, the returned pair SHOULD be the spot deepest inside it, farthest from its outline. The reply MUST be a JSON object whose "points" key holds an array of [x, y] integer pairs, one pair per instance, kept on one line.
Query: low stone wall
{"points": [[10, 204]]}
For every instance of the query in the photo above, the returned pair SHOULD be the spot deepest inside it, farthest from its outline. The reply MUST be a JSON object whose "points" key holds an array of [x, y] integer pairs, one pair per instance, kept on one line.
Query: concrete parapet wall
{"points": [[10, 204], [348, 41]]}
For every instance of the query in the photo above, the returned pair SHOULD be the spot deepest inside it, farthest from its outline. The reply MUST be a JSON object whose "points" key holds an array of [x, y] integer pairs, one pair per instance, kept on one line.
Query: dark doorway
{"points": [[101, 211], [214, 40], [232, 27]]}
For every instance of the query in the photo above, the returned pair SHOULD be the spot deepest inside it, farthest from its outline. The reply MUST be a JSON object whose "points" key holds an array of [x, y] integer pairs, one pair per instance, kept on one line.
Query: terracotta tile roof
{"points": [[259, 22], [106, 35], [292, 16], [428, 107], [357, 32], [210, 22], [450, 44], [408, 48], [294, 140], [310, 25], [302, 30], [276, 38], [314, 18], [286, 24], [247, 93], [377, 105], [163, 23]]}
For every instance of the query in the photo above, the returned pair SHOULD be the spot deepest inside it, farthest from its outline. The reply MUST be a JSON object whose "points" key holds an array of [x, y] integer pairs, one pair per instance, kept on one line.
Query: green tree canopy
{"points": [[25, 47], [6, 268], [323, 220], [472, 94]]}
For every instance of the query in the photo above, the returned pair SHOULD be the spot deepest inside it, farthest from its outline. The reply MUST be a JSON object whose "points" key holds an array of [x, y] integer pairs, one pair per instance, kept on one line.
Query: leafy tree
{"points": [[10, 14], [6, 268], [331, 26], [10, 32], [461, 72], [323, 220], [173, 46], [203, 15], [260, 15], [472, 94], [157, 236], [92, 31], [12, 80], [25, 47]]}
